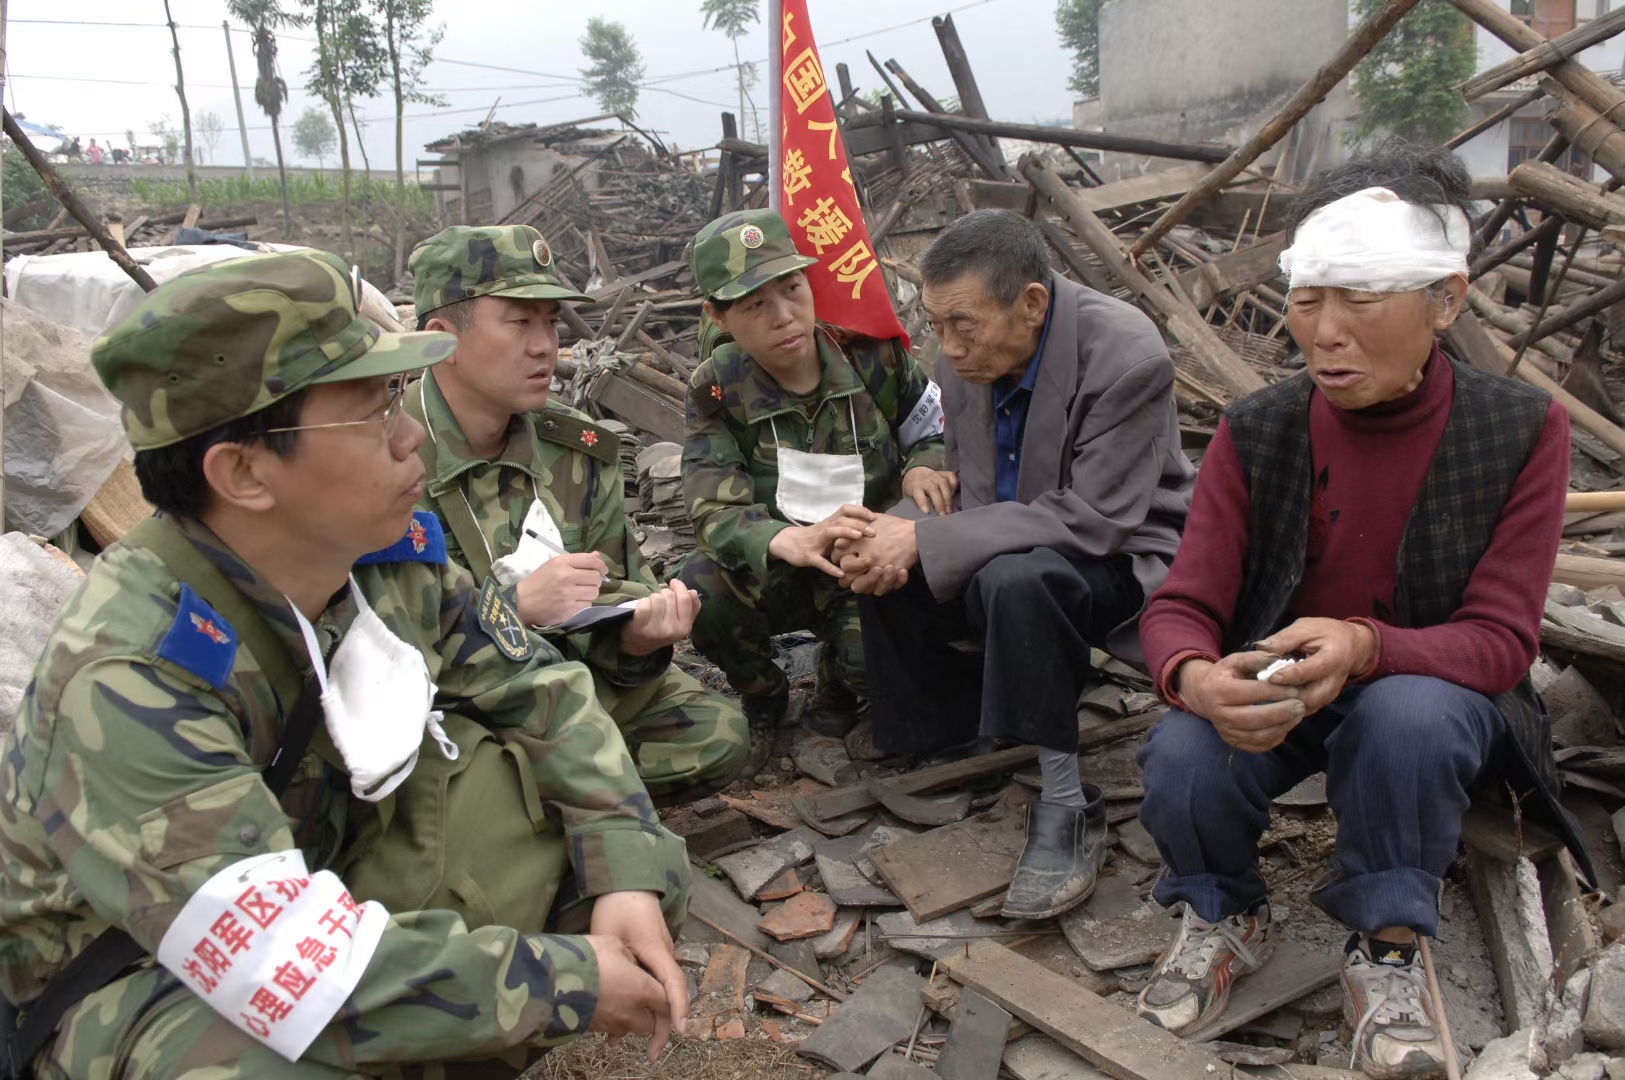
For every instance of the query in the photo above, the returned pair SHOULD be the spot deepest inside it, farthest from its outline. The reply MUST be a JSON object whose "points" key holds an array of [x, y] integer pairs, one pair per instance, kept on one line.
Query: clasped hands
{"points": [[1257, 716], [865, 551]]}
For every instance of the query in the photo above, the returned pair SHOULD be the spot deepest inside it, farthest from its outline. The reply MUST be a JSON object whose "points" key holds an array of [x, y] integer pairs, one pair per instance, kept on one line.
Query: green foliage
{"points": [[313, 135], [409, 45], [351, 60], [1406, 85], [262, 18], [23, 186], [615, 66], [164, 130], [732, 17], [1078, 22], [303, 190]]}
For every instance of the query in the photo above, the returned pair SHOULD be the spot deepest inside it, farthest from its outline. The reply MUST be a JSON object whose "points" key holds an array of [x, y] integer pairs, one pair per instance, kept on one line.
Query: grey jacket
{"points": [[1102, 471]]}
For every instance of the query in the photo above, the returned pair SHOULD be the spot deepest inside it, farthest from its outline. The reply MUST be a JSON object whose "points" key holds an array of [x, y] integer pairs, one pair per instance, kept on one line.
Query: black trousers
{"points": [[1034, 615]]}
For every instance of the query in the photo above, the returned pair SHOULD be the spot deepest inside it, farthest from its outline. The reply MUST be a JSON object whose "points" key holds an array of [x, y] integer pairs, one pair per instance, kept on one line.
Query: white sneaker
{"points": [[1386, 1002], [1191, 983]]}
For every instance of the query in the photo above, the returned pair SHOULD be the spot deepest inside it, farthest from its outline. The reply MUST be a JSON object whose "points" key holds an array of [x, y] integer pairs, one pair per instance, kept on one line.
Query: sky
{"points": [[98, 81]]}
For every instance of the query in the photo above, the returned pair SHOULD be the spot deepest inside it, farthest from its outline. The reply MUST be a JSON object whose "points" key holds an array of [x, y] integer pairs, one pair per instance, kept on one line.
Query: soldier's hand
{"points": [[635, 919], [661, 619], [561, 587], [809, 545], [931, 489], [630, 1000]]}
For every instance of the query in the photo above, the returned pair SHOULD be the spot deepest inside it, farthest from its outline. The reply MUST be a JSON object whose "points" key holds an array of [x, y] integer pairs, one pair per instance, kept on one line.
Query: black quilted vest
{"points": [[1493, 427]]}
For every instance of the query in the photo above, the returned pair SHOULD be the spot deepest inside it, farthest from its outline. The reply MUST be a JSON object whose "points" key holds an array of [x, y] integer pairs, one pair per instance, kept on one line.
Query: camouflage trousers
{"points": [[688, 742], [147, 1026], [739, 614]]}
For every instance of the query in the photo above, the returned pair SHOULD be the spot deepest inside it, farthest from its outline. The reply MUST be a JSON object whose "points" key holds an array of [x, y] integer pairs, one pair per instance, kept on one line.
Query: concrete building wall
{"points": [[1215, 70]]}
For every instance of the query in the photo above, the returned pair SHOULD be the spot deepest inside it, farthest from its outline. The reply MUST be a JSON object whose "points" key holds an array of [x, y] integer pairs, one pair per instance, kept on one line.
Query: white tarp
{"points": [[35, 584], [62, 431]]}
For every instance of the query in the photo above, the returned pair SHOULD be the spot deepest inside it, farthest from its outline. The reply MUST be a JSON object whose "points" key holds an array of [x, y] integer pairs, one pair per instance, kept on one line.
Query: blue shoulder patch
{"points": [[200, 640], [424, 542]]}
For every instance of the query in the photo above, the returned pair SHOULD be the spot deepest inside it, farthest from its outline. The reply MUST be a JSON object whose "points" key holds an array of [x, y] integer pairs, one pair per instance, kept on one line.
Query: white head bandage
{"points": [[1374, 241]]}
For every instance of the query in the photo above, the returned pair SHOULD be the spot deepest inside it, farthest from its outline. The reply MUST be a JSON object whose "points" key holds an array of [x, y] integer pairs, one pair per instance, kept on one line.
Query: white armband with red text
{"points": [[925, 420], [273, 948]]}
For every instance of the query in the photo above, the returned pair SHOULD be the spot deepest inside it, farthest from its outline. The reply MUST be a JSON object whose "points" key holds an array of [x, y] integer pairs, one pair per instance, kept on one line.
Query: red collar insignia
{"points": [[419, 538], [589, 438]]}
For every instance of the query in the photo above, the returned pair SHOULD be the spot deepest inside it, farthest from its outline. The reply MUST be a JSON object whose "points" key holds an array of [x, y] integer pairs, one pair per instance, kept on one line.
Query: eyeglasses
{"points": [[389, 418]]}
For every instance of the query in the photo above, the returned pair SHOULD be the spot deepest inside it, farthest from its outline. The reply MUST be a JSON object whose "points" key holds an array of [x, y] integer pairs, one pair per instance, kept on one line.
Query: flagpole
{"points": [[775, 98]]}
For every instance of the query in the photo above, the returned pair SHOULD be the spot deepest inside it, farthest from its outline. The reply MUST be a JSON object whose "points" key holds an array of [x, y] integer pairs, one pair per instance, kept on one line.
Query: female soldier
{"points": [[797, 432]]}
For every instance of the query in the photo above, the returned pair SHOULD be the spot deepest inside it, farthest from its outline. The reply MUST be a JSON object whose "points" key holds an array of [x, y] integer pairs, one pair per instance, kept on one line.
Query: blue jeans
{"points": [[1399, 755]]}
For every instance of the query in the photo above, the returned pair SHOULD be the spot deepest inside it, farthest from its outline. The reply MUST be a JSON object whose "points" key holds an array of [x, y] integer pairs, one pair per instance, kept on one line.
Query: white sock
{"points": [[1061, 784]]}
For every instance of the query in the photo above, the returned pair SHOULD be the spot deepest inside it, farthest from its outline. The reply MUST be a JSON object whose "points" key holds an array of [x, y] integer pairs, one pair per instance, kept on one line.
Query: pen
{"points": [[556, 549]]}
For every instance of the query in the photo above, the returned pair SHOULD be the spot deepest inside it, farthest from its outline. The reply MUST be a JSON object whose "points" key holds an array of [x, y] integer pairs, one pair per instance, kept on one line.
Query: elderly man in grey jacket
{"points": [[1072, 494]]}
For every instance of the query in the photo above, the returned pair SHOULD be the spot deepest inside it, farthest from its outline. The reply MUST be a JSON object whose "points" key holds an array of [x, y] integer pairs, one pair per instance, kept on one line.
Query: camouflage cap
{"points": [[463, 262], [234, 337], [738, 253]]}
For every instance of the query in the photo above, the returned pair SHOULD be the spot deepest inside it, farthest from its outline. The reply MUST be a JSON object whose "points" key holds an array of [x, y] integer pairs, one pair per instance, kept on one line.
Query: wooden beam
{"points": [[1580, 201], [855, 797], [1313, 92], [1132, 191], [1184, 322], [1544, 55], [1230, 274], [1060, 136], [1585, 416], [1111, 1038], [970, 94], [1499, 116], [71, 202], [640, 406], [1588, 571], [1588, 129], [1565, 317]]}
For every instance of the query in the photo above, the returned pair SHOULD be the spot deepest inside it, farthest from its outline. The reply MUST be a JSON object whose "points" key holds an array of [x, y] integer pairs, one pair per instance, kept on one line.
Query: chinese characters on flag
{"points": [[820, 202]]}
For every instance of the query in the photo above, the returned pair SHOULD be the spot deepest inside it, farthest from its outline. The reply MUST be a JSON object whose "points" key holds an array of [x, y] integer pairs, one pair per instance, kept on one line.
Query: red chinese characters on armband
{"points": [[274, 949]]}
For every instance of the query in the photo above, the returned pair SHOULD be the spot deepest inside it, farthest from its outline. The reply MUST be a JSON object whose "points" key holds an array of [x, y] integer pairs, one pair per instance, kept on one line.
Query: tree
{"points": [[1406, 84], [263, 17], [616, 66], [409, 44], [733, 18], [186, 112], [313, 136], [1079, 24], [210, 128], [349, 64], [163, 129]]}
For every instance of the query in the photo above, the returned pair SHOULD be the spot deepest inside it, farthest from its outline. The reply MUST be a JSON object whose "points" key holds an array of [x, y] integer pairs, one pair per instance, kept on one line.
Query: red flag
{"points": [[818, 198]]}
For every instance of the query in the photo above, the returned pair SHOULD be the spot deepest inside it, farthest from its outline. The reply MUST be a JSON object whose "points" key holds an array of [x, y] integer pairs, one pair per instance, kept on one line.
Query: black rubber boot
{"points": [[1058, 866], [835, 708], [764, 715]]}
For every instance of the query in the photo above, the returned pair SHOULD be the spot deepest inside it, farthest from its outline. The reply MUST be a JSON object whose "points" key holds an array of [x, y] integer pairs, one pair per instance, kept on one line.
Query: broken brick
{"points": [[804, 915]]}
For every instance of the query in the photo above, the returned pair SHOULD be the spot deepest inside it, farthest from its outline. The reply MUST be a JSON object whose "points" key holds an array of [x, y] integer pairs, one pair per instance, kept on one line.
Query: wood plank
{"points": [[1567, 926], [1109, 1037], [1229, 274], [1507, 897], [1294, 970], [639, 406], [1489, 830], [855, 797], [938, 872], [1588, 571], [1544, 55], [976, 1040]]}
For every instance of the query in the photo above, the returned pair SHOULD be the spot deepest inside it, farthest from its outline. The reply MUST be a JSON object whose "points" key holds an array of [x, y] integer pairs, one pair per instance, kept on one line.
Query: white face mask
{"points": [[538, 531], [377, 698], [814, 486]]}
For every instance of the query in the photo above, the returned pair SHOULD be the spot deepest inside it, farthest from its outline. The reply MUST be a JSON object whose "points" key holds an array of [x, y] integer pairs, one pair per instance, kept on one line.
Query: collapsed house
{"points": [[849, 906]]}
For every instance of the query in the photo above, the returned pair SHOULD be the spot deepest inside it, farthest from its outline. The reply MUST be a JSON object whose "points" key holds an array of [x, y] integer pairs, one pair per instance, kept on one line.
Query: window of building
{"points": [[1528, 136], [1523, 9]]}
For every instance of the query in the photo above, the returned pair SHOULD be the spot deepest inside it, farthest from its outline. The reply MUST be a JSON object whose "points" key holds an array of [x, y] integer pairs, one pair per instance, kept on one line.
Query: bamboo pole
{"points": [[1361, 42], [65, 195]]}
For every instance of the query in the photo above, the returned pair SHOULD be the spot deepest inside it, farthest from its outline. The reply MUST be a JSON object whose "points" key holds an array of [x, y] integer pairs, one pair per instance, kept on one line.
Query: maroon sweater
{"points": [[1369, 467]]}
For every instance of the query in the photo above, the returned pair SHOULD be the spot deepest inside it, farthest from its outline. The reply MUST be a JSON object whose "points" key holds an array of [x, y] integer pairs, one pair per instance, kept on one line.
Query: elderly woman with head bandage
{"points": [[1386, 522]]}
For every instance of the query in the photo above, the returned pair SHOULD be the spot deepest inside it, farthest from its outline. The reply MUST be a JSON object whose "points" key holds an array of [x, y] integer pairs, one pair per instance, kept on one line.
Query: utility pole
{"points": [[237, 96]]}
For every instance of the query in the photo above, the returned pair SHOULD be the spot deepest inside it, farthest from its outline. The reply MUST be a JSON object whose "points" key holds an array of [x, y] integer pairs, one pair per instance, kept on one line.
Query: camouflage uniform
{"points": [[730, 471], [132, 775], [687, 740]]}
